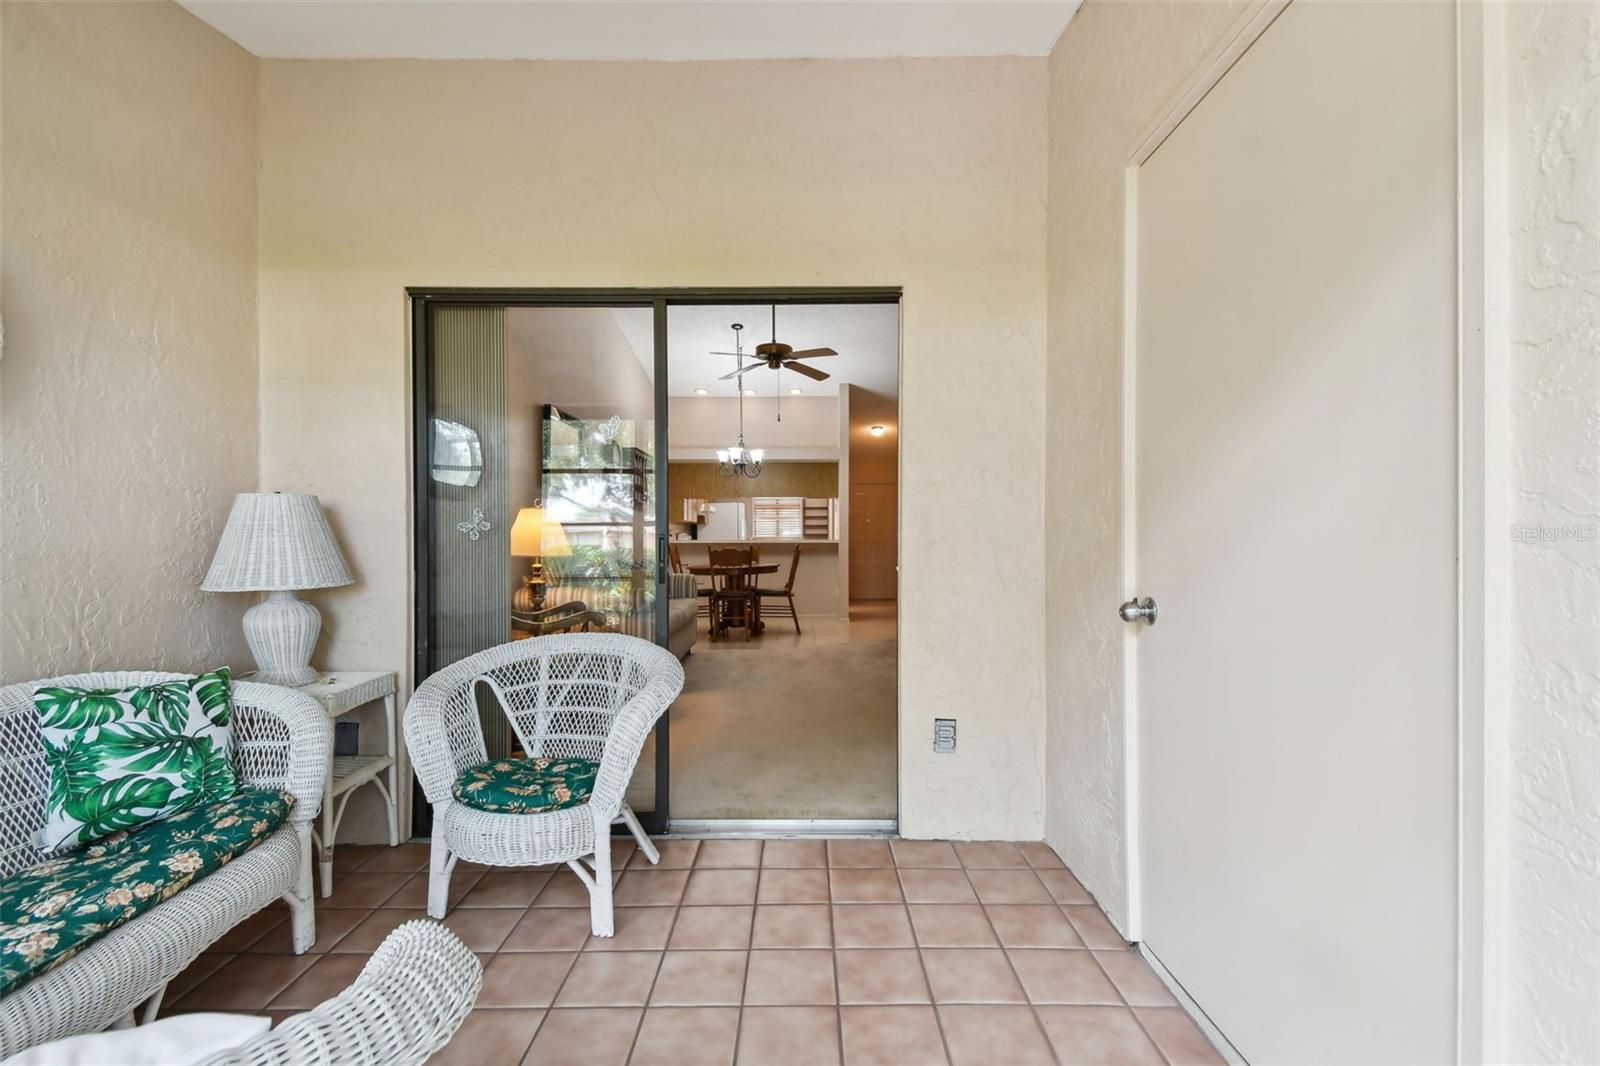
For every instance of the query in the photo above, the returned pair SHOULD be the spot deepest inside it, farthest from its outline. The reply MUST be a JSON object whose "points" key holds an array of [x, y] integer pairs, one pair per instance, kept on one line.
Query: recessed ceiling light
{"points": [[796, 392], [876, 431], [749, 392], [702, 392]]}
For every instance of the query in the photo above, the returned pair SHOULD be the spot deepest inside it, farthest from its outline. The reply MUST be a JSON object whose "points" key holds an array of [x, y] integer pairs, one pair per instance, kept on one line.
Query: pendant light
{"points": [[739, 461]]}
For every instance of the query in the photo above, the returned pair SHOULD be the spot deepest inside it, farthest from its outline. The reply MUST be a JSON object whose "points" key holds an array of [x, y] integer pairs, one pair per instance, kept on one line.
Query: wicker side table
{"points": [[340, 692]]}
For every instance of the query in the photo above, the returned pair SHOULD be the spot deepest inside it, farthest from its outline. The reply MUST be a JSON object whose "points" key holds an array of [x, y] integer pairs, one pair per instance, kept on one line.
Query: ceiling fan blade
{"points": [[736, 373], [811, 353], [809, 371], [747, 355]]}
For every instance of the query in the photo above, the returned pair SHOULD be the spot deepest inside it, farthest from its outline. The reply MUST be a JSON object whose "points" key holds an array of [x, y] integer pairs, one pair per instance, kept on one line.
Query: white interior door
{"points": [[1294, 520]]}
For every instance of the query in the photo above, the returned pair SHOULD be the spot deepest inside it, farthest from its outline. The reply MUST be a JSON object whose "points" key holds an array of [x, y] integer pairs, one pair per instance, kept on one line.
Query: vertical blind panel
{"points": [[470, 578]]}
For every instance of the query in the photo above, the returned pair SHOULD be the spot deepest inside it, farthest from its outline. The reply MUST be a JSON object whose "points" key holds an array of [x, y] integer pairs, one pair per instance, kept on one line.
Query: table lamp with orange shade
{"points": [[533, 536]]}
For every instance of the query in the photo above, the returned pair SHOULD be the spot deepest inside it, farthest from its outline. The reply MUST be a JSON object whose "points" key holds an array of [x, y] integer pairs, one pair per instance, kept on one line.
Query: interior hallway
{"points": [[787, 725]]}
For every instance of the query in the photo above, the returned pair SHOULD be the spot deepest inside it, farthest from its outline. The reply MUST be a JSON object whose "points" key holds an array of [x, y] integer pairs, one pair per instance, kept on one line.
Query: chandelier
{"points": [[739, 461]]}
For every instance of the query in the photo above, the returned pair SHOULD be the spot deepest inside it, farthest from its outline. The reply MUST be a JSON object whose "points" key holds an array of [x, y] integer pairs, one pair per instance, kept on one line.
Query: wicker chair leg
{"points": [[440, 865], [600, 918], [646, 845], [302, 901], [152, 1006]]}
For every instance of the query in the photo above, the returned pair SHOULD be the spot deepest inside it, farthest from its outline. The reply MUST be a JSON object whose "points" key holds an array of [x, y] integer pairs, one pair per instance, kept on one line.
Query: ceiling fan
{"points": [[779, 356]]}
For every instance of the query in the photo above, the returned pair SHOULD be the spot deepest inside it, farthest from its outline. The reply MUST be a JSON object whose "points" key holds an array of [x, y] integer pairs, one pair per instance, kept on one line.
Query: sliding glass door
{"points": [[540, 478], [537, 502]]}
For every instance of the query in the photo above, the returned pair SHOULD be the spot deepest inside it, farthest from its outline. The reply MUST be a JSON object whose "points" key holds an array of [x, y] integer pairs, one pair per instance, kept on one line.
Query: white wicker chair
{"points": [[591, 696], [283, 739], [407, 1002]]}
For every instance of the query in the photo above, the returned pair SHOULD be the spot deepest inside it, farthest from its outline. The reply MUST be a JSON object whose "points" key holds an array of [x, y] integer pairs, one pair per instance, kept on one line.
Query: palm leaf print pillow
{"points": [[119, 759]]}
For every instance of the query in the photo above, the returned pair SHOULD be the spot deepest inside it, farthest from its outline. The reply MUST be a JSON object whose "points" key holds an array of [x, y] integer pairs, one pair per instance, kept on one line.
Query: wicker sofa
{"points": [[283, 741]]}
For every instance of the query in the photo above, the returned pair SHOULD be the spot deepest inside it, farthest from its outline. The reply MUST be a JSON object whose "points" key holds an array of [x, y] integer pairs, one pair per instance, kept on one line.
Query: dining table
{"points": [[741, 576]]}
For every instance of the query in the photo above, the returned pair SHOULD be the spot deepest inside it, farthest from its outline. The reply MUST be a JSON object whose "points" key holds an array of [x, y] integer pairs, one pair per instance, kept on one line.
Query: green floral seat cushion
{"points": [[120, 758], [526, 786], [51, 911]]}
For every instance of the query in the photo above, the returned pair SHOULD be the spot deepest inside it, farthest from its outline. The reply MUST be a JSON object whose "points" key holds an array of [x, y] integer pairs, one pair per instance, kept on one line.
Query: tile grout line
{"points": [[576, 955], [526, 911], [1033, 1008], [1131, 1009], [638, 1026], [749, 949], [938, 1019], [833, 938], [1132, 1012]]}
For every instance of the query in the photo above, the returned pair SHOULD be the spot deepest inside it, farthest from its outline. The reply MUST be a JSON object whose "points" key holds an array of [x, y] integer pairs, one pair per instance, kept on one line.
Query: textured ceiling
{"points": [[562, 29]]}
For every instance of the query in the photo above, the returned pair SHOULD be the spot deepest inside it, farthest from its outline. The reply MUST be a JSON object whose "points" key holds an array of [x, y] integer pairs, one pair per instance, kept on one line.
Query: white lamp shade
{"points": [[532, 536], [276, 541], [555, 540]]}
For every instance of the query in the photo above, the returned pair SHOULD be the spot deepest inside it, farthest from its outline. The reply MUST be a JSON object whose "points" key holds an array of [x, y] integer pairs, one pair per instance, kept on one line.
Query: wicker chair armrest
{"points": [[284, 740], [629, 730], [406, 1004], [434, 759]]}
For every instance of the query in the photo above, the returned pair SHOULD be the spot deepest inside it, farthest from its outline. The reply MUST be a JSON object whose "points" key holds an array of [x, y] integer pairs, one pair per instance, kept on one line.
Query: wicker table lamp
{"points": [[276, 543]]}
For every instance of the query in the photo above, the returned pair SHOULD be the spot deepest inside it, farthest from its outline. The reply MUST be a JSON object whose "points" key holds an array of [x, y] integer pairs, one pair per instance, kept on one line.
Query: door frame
{"points": [[1483, 559], [422, 300]]}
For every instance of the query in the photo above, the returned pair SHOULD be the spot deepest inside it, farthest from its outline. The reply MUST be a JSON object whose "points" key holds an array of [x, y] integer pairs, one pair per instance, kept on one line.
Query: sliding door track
{"points": [[782, 827]]}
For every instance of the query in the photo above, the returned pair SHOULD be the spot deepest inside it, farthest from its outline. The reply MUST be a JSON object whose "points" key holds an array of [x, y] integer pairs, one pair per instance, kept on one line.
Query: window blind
{"points": [[778, 516]]}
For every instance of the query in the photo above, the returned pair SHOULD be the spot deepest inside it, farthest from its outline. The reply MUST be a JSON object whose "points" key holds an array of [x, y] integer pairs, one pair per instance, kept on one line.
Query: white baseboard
{"points": [[1212, 1033], [779, 828]]}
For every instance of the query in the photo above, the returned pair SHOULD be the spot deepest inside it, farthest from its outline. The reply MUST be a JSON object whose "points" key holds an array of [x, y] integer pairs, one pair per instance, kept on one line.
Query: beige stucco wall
{"points": [[927, 174], [1111, 73], [1115, 68], [1552, 116], [128, 385]]}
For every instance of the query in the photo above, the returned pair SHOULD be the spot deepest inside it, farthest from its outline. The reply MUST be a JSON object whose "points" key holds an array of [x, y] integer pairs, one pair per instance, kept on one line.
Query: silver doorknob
{"points": [[1136, 609]]}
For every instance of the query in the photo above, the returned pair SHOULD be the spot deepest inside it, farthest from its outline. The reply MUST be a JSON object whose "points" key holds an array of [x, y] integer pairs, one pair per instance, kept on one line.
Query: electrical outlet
{"points": [[944, 735]]}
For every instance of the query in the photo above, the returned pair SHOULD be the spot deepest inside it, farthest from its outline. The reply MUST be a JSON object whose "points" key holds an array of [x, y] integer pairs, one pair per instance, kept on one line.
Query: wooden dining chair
{"points": [[782, 600], [732, 594]]}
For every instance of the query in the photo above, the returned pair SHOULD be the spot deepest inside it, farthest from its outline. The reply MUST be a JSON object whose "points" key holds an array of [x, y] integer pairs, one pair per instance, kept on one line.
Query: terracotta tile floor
{"points": [[788, 952]]}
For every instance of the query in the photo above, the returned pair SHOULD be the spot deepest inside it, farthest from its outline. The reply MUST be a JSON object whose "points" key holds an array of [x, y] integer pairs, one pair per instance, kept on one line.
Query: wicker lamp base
{"points": [[282, 631]]}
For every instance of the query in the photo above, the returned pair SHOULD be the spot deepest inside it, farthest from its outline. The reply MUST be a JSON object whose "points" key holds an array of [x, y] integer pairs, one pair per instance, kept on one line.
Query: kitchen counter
{"points": [[758, 540]]}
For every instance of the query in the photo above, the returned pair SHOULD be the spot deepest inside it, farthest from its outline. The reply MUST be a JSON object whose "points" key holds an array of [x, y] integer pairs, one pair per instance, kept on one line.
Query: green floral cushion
{"points": [[119, 759], [50, 912], [526, 786]]}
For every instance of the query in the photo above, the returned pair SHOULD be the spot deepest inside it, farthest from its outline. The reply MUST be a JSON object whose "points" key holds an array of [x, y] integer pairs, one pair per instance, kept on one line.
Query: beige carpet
{"points": [[789, 727]]}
